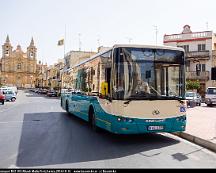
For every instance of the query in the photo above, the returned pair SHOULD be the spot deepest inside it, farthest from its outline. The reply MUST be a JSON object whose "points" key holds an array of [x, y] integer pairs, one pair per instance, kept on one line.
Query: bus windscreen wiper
{"points": [[150, 97], [141, 97]]}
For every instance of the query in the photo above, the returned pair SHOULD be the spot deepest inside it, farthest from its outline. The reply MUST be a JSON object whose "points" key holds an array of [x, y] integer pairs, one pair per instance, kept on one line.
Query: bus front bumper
{"points": [[139, 126]]}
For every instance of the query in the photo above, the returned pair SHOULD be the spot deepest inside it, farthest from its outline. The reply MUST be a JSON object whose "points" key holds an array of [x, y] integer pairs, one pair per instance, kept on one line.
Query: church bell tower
{"points": [[7, 48], [32, 50]]}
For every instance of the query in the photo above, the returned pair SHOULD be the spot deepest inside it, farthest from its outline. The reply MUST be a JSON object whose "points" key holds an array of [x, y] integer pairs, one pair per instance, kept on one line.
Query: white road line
{"points": [[7, 122], [13, 166]]}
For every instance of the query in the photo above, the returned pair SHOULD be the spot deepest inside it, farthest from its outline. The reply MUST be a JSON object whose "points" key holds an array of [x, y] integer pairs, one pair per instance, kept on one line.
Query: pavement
{"points": [[201, 126]]}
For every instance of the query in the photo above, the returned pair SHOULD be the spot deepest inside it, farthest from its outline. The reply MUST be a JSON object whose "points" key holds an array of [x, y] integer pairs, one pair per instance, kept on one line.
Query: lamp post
{"points": [[31, 80], [156, 33], [6, 77]]}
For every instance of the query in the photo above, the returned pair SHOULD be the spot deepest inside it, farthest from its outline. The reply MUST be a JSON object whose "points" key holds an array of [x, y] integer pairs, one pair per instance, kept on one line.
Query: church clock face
{"points": [[31, 54]]}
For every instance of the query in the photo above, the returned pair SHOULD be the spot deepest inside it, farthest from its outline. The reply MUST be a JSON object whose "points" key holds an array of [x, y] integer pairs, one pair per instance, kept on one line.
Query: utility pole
{"points": [[98, 42], [207, 25], [79, 42], [64, 40], [129, 39], [156, 33]]}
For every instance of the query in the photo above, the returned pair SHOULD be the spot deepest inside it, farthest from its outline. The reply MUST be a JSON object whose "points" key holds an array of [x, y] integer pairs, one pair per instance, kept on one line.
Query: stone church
{"points": [[18, 68]]}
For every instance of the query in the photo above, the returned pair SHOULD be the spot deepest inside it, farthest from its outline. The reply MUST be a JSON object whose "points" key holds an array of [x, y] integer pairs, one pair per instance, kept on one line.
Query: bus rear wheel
{"points": [[92, 120], [67, 107]]}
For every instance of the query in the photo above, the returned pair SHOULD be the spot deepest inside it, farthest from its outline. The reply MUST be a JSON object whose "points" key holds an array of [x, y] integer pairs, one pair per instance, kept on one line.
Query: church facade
{"points": [[18, 68]]}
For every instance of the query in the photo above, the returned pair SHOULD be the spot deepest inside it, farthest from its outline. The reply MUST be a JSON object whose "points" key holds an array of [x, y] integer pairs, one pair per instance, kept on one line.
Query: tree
{"points": [[190, 85]]}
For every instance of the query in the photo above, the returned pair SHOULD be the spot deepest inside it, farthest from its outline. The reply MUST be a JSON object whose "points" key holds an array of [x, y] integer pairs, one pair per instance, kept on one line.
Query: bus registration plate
{"points": [[155, 128]]}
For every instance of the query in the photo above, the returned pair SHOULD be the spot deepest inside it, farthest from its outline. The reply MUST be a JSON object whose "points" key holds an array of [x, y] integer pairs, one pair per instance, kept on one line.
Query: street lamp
{"points": [[156, 32], [31, 80], [5, 80]]}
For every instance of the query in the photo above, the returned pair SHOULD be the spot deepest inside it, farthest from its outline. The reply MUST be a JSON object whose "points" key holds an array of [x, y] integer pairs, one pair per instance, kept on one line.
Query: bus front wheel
{"points": [[67, 107], [92, 120]]}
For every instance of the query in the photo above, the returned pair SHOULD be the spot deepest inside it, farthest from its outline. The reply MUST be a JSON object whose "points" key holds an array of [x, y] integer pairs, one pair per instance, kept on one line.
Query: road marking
{"points": [[13, 166], [7, 122]]}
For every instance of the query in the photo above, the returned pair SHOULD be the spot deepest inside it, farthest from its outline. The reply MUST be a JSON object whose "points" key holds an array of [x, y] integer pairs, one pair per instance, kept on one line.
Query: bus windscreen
{"points": [[141, 73]]}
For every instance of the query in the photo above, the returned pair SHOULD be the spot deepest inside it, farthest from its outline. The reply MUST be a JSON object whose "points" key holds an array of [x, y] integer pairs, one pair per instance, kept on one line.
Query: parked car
{"points": [[44, 91], [40, 91], [36, 90], [193, 98], [5, 89], [10, 96], [52, 93], [2, 97], [210, 97], [14, 89]]}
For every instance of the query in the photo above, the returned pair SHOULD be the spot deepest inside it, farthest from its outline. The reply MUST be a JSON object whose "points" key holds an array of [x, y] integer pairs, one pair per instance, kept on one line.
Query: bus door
{"points": [[161, 80], [108, 77]]}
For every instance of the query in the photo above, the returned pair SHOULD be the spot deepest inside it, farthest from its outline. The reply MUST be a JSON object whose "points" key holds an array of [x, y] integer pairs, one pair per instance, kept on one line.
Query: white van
{"points": [[210, 97], [13, 88], [6, 88]]}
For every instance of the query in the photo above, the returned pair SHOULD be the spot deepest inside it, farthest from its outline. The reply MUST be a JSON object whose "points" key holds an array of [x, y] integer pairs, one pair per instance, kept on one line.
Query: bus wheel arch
{"points": [[92, 118], [61, 102], [67, 106]]}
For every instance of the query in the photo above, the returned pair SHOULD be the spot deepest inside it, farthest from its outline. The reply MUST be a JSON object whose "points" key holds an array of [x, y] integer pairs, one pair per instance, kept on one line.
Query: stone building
{"points": [[71, 59], [54, 75], [40, 72], [199, 52], [18, 68]]}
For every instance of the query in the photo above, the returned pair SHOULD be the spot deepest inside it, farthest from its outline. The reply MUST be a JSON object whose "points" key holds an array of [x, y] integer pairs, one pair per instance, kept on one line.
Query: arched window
{"points": [[19, 66]]}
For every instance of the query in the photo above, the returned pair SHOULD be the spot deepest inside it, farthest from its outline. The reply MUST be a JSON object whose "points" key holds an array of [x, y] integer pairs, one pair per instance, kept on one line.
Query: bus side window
{"points": [[108, 78]]}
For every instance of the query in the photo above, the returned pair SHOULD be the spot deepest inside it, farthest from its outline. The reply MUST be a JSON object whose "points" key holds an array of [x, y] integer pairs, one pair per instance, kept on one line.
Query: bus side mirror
{"points": [[109, 98]]}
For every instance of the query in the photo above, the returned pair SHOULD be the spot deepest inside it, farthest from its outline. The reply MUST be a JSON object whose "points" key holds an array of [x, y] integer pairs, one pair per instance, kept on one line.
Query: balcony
{"points": [[204, 55], [193, 75], [188, 37]]}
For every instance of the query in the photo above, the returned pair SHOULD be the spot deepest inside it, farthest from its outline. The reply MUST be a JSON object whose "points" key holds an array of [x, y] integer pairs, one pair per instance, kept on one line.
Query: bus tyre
{"points": [[93, 121], [67, 107]]}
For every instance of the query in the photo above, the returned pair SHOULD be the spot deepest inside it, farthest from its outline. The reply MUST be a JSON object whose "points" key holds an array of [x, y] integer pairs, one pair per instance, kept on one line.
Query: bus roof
{"points": [[128, 45], [148, 46]]}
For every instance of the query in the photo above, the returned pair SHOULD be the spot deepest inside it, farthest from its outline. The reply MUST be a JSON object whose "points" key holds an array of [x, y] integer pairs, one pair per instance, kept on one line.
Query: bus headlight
{"points": [[130, 120], [123, 119], [183, 118], [119, 119]]}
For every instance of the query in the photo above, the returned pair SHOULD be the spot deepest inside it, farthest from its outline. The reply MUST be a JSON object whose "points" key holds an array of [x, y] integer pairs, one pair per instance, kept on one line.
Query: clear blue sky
{"points": [[110, 21]]}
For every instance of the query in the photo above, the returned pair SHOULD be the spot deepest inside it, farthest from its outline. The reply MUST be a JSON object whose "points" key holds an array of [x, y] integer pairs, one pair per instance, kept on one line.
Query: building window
{"points": [[187, 65], [200, 67], [186, 48], [31, 54], [19, 66], [203, 67], [7, 52], [201, 47]]}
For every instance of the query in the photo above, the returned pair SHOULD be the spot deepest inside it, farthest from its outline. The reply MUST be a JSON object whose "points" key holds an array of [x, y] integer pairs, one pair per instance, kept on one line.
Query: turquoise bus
{"points": [[130, 89]]}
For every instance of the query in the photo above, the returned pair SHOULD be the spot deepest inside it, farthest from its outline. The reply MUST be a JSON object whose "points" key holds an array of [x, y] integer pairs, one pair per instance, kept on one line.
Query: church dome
{"points": [[19, 49]]}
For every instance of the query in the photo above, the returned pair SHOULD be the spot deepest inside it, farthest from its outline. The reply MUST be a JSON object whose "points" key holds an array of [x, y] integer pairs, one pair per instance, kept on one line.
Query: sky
{"points": [[88, 24]]}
